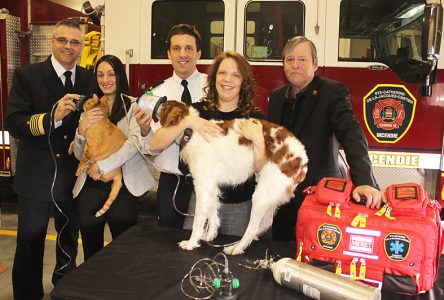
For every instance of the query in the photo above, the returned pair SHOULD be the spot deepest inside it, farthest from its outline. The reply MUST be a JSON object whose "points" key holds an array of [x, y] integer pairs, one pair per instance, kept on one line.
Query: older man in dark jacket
{"points": [[318, 111]]}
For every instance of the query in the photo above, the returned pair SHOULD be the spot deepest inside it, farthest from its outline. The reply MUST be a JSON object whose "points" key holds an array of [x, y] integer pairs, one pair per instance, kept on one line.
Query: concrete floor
{"points": [[7, 245], [8, 228]]}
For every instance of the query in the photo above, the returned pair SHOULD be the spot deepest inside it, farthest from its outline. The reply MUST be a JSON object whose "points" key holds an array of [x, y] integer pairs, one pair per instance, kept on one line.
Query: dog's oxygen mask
{"points": [[151, 104]]}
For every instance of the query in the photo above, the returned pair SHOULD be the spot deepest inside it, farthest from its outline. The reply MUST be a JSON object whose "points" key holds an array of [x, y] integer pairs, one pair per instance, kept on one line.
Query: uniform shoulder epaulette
{"points": [[156, 85]]}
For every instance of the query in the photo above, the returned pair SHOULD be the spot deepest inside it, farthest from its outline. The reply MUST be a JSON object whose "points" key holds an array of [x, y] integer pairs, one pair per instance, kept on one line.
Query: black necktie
{"points": [[68, 83], [186, 96]]}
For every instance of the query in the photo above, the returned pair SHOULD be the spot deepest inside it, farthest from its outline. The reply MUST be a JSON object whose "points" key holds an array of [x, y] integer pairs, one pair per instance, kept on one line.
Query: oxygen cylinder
{"points": [[317, 283]]}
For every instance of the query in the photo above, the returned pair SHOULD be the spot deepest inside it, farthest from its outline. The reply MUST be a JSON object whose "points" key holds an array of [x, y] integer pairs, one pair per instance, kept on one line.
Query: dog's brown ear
{"points": [[172, 113]]}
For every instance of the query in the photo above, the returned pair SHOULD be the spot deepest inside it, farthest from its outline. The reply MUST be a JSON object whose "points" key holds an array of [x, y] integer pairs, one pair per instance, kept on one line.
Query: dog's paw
{"points": [[210, 235], [233, 250], [188, 245]]}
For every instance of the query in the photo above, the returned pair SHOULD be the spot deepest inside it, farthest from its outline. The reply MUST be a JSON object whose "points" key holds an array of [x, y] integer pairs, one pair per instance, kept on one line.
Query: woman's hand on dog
{"points": [[252, 130], [65, 106], [144, 121], [205, 128], [90, 117]]}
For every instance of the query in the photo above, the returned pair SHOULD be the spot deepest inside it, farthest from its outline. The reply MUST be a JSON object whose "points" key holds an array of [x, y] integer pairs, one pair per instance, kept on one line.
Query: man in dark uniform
{"points": [[41, 114]]}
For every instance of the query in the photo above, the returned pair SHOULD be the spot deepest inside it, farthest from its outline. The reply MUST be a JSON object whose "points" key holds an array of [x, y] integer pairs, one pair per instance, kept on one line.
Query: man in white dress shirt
{"points": [[184, 49]]}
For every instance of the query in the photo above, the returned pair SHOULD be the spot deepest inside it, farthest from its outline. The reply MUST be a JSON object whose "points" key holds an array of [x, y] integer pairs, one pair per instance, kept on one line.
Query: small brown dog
{"points": [[103, 138]]}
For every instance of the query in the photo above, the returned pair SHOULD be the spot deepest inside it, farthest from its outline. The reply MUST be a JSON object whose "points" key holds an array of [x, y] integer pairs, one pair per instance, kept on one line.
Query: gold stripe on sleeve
{"points": [[40, 123], [36, 124], [32, 125]]}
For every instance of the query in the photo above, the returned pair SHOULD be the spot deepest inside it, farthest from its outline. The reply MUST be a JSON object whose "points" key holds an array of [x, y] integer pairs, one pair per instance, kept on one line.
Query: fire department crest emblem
{"points": [[388, 112], [329, 236]]}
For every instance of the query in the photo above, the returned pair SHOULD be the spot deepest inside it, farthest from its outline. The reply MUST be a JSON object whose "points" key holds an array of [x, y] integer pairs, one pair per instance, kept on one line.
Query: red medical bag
{"points": [[396, 248]]}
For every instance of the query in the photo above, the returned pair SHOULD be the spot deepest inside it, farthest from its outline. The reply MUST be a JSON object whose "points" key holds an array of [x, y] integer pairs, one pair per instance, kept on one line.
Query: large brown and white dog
{"points": [[103, 138], [228, 159]]}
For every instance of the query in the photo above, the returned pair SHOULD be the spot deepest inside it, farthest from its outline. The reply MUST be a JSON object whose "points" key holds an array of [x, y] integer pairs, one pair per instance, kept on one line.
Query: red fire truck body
{"points": [[387, 53]]}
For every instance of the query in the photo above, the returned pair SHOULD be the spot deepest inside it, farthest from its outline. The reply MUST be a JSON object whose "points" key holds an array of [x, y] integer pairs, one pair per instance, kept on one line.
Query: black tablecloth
{"points": [[146, 263]]}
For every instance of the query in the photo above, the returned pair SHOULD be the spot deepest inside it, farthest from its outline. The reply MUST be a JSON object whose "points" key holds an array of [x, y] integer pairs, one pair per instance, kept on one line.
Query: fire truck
{"points": [[386, 52]]}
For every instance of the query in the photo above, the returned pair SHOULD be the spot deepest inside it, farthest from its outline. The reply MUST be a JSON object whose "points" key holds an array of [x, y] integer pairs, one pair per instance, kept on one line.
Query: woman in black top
{"points": [[229, 95]]}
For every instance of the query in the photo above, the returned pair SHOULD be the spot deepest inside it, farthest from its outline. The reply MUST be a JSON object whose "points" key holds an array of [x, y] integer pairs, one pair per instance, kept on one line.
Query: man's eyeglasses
{"points": [[63, 41]]}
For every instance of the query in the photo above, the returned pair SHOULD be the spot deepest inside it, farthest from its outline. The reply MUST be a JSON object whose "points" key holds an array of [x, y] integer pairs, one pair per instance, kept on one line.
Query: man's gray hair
{"points": [[68, 23], [296, 40]]}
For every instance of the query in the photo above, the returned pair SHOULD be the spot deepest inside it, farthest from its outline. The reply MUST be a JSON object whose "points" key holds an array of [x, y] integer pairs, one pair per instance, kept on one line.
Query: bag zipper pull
{"points": [[308, 190], [363, 221], [356, 220], [353, 268], [387, 214], [299, 258], [337, 211], [338, 267], [382, 210], [329, 208], [362, 269]]}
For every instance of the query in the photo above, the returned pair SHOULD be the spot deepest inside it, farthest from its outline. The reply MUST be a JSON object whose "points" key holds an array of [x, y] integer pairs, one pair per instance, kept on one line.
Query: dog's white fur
{"points": [[229, 160]]}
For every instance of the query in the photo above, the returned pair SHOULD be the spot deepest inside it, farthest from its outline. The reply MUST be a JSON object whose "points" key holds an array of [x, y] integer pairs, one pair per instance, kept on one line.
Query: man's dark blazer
{"points": [[35, 89], [326, 122]]}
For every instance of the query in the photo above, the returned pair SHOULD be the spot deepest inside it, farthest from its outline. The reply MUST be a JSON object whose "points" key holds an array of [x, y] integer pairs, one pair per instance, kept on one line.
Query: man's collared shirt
{"points": [[172, 88]]}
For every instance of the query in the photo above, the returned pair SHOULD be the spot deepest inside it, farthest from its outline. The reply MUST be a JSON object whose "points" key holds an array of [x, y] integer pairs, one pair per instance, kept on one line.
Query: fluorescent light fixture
{"points": [[413, 11]]}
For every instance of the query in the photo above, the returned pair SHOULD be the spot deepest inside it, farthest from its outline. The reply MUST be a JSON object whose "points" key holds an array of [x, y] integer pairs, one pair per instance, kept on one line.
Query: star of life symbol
{"points": [[397, 247]]}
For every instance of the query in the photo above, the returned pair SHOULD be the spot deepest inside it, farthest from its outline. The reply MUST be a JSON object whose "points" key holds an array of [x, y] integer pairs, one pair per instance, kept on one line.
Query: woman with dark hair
{"points": [[229, 95], [91, 193], [100, 87]]}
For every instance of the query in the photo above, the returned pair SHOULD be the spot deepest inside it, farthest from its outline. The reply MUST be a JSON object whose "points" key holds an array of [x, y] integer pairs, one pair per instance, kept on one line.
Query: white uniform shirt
{"points": [[168, 159]]}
